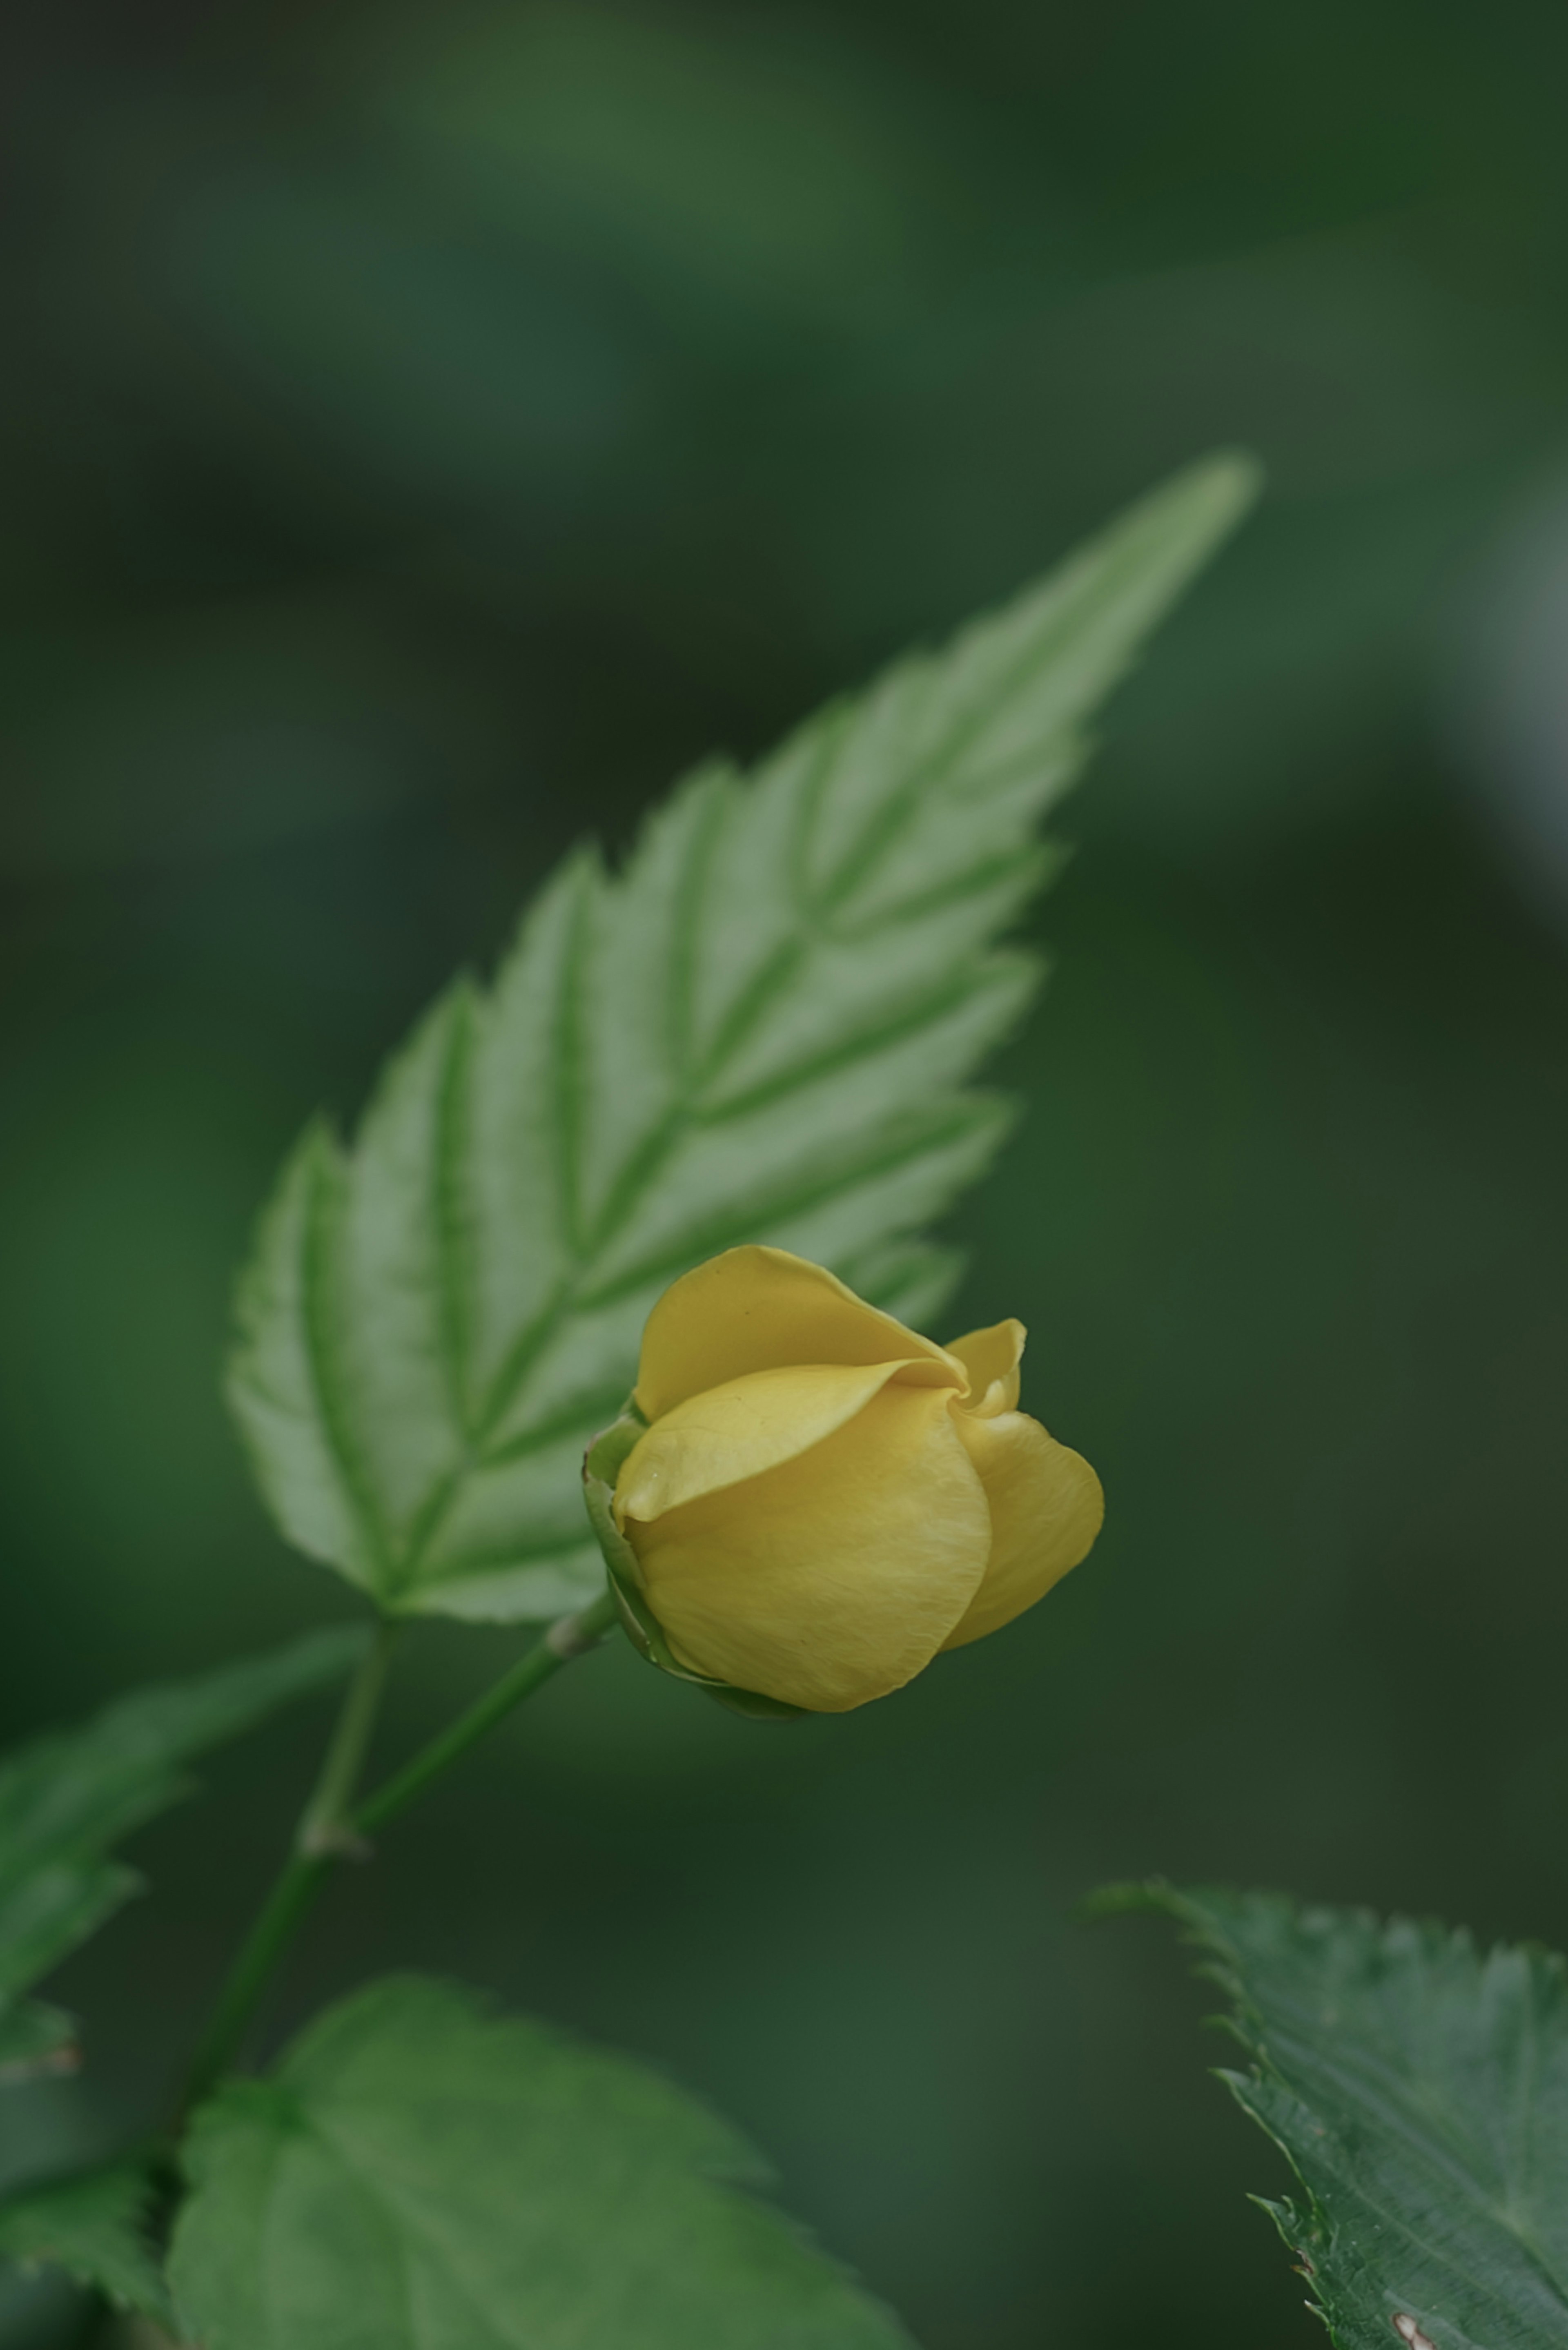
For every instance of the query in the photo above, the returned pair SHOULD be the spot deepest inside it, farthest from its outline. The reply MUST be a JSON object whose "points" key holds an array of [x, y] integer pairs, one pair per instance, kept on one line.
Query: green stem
{"points": [[283, 1913], [324, 1835], [325, 1829], [328, 1831], [571, 1637]]}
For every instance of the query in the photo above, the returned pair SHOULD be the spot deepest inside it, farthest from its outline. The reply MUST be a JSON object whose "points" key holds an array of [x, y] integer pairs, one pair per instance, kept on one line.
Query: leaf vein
{"points": [[322, 1229], [453, 1230]]}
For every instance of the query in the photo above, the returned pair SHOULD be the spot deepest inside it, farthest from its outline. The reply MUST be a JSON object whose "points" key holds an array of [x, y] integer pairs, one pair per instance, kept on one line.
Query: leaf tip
{"points": [[1217, 493], [1235, 478]]}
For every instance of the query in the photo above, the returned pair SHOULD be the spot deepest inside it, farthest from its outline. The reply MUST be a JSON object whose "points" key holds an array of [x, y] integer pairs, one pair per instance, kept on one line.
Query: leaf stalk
{"points": [[325, 1828], [330, 1831], [569, 1637]]}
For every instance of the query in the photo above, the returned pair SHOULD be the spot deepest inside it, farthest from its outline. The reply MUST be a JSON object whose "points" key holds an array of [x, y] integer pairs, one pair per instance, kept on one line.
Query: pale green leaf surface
{"points": [[416, 2174], [91, 2226], [1421, 2092], [68, 1798], [762, 1029]]}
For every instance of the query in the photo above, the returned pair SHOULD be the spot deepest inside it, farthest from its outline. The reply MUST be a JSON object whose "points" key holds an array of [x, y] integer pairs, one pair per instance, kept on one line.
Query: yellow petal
{"points": [[761, 1309], [1047, 1508], [837, 1577], [992, 1358], [740, 1430]]}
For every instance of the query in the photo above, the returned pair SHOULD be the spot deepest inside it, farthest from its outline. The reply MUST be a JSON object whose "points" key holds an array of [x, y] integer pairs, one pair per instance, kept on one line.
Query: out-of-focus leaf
{"points": [[416, 2175], [34, 2038], [761, 1030], [92, 2227], [1421, 2092], [66, 1799], [716, 159]]}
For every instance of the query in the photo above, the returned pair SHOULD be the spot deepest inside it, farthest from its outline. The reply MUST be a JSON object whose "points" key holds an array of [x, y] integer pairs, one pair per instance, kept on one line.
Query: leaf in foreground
{"points": [[417, 2174], [1421, 2092], [68, 1798], [91, 2227], [761, 1030]]}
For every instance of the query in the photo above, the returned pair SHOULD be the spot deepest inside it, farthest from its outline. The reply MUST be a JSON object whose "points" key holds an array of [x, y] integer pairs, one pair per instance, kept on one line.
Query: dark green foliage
{"points": [[416, 2174], [34, 2038], [1421, 2092], [92, 2227], [761, 1030], [66, 1799]]}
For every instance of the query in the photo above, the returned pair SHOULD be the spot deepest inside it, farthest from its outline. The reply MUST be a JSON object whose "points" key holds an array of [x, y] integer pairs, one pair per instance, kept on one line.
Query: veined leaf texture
{"points": [[762, 1029], [1419, 2089]]}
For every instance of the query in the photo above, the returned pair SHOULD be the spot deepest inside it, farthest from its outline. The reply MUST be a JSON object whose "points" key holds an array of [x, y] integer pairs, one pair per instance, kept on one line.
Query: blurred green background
{"points": [[429, 430]]}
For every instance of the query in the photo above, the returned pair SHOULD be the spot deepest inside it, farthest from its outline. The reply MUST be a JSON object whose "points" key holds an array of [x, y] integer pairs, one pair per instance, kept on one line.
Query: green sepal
{"points": [[602, 1465]]}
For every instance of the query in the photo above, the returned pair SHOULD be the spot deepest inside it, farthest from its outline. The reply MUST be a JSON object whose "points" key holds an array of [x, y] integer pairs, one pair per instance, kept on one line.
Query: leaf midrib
{"points": [[686, 1113], [1388, 2116], [964, 1116], [407, 2218], [875, 841]]}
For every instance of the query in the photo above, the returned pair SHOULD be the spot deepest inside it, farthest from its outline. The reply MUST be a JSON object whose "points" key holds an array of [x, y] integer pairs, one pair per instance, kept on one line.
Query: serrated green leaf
{"points": [[416, 2174], [761, 1030], [1421, 2092], [92, 2227], [67, 1798]]}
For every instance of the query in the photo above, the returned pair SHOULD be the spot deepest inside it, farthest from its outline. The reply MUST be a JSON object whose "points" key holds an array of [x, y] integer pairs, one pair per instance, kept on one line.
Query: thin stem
{"points": [[283, 1913], [324, 1835], [571, 1637], [324, 1828], [328, 1831]]}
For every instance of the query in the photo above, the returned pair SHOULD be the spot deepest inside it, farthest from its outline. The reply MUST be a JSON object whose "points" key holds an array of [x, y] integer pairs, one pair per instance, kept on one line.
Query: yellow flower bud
{"points": [[821, 1499]]}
